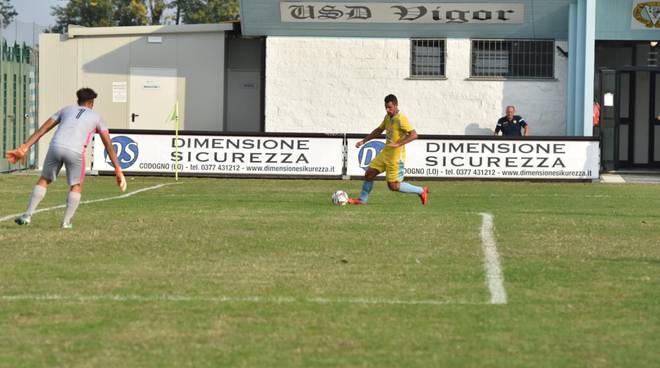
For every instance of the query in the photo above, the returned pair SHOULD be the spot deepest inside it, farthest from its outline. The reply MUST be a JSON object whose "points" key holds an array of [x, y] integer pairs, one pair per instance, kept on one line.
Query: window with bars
{"points": [[427, 58], [513, 59]]}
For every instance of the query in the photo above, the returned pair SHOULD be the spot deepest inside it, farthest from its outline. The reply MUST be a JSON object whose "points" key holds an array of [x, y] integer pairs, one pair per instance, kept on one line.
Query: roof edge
{"points": [[79, 31]]}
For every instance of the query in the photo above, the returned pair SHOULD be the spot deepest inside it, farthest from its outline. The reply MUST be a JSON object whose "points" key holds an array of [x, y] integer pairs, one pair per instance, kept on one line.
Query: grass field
{"points": [[267, 273]]}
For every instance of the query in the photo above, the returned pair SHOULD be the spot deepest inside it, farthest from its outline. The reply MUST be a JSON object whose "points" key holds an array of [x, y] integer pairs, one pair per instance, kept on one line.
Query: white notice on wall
{"points": [[608, 99], [151, 84], [119, 92]]}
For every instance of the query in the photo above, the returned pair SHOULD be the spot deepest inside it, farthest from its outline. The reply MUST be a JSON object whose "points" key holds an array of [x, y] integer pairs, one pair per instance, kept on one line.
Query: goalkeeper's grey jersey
{"points": [[77, 125]]}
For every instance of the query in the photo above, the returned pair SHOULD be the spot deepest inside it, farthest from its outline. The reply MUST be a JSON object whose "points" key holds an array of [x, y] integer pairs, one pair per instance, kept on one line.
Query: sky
{"points": [[33, 17], [36, 11]]}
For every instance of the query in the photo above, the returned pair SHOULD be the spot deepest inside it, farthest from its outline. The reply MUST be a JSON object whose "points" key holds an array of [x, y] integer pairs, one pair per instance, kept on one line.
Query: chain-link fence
{"points": [[19, 81]]}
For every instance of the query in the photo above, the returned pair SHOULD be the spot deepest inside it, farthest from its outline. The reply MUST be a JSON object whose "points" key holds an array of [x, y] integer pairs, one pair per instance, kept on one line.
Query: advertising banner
{"points": [[224, 155], [488, 159]]}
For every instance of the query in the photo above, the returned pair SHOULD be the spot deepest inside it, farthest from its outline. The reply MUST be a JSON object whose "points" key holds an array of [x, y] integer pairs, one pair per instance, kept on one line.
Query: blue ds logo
{"points": [[127, 151], [368, 152]]}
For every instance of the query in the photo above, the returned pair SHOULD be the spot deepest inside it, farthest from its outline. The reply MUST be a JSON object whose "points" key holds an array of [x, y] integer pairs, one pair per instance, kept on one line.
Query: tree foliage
{"points": [[156, 10], [88, 13], [207, 11], [7, 12], [105, 13], [130, 13]]}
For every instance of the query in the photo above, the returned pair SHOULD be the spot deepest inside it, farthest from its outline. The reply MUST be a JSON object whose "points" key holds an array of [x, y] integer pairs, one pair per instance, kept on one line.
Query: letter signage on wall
{"points": [[645, 15], [449, 13], [224, 155], [488, 159]]}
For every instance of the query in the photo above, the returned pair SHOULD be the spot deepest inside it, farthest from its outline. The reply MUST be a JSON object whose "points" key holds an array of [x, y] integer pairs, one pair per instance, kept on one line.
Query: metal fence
{"points": [[19, 77]]}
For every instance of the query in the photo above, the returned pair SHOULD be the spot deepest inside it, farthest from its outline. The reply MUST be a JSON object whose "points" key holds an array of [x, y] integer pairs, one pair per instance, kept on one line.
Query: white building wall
{"points": [[337, 85]]}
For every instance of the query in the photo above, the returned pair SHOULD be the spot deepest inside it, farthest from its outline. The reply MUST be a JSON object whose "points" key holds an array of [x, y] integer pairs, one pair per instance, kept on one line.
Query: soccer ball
{"points": [[339, 198]]}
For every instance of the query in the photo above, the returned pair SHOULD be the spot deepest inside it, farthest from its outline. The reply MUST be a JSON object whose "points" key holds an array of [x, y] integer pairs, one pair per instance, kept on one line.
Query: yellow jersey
{"points": [[396, 128]]}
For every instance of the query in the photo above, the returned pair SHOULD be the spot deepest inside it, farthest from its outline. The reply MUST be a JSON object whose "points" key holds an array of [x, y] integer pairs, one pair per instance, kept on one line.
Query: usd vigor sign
{"points": [[224, 155], [401, 13], [494, 159]]}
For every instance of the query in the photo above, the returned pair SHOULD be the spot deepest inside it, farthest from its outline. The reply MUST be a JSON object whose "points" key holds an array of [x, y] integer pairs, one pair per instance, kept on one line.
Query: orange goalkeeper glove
{"points": [[17, 154], [121, 180]]}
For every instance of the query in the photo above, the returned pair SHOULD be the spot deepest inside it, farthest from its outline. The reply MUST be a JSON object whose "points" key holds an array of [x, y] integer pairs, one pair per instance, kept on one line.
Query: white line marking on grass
{"points": [[384, 301], [494, 277], [11, 217], [223, 299]]}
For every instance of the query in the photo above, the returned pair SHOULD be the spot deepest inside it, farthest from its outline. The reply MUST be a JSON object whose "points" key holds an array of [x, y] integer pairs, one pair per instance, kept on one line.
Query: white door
{"points": [[152, 98]]}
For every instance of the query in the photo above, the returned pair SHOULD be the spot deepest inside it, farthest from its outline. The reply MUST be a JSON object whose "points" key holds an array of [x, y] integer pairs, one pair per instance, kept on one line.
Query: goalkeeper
{"points": [[77, 125]]}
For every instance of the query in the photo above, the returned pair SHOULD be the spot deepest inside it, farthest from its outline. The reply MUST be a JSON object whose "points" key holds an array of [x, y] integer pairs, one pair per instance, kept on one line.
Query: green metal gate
{"points": [[18, 98]]}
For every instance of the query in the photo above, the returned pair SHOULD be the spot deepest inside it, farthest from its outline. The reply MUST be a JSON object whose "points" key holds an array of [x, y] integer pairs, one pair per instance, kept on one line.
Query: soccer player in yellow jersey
{"points": [[391, 159]]}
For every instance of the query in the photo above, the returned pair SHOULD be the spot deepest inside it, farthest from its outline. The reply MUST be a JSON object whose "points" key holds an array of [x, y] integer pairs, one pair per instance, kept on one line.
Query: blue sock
{"points": [[366, 189], [409, 188]]}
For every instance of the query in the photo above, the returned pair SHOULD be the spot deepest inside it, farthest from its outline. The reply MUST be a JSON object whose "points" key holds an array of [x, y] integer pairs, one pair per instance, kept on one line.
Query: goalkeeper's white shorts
{"points": [[73, 161]]}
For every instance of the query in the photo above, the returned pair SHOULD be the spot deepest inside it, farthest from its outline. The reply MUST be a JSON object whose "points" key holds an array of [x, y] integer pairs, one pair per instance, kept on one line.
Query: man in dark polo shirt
{"points": [[511, 124]]}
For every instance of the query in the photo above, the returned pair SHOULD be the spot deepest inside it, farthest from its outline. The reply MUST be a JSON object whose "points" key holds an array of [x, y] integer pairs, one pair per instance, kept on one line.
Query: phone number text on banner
{"points": [[224, 155], [496, 159]]}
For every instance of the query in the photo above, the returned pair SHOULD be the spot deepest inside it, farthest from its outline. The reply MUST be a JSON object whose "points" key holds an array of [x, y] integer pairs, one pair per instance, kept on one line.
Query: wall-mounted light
{"points": [[654, 43]]}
